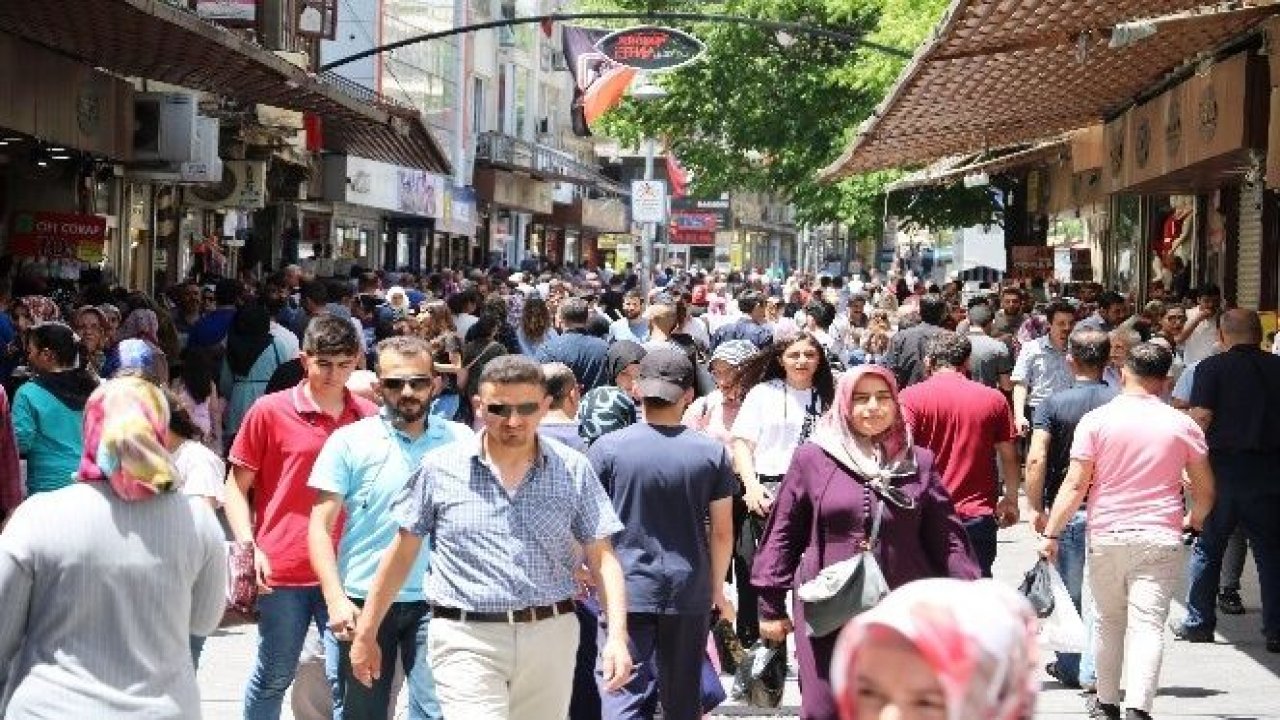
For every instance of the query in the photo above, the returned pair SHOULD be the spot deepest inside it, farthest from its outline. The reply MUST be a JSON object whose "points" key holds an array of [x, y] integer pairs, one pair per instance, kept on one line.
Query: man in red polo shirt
{"points": [[272, 454], [967, 425]]}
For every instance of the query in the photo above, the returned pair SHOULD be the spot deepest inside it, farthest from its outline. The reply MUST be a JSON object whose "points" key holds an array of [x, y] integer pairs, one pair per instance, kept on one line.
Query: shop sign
{"points": [[604, 214], [648, 201], [389, 187], [58, 235], [228, 12], [1032, 262], [649, 48], [717, 208]]}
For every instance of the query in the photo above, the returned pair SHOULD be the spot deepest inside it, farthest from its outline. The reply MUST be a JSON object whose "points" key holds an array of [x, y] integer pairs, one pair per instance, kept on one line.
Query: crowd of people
{"points": [[520, 494]]}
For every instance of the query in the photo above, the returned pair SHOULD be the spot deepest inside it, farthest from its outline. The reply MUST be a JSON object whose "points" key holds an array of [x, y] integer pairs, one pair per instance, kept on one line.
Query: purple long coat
{"points": [[926, 541]]}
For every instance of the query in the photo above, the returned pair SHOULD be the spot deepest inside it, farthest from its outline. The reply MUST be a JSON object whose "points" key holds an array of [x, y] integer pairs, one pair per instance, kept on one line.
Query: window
{"points": [[479, 118]]}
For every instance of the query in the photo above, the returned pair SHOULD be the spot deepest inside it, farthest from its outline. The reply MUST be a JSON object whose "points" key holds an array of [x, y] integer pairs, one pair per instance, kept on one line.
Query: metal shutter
{"points": [[1249, 259]]}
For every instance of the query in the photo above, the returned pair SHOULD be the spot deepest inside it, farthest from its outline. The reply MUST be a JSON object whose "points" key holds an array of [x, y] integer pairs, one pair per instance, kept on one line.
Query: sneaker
{"points": [[1136, 714], [1198, 635], [1054, 672], [1229, 602], [1102, 711]]}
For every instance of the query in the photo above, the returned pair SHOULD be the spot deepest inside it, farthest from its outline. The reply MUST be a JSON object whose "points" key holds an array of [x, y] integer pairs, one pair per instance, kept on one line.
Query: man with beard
{"points": [[361, 470], [633, 325]]}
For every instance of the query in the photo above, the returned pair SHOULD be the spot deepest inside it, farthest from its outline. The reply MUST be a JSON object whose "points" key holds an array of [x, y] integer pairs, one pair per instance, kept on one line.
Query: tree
{"points": [[763, 112]]}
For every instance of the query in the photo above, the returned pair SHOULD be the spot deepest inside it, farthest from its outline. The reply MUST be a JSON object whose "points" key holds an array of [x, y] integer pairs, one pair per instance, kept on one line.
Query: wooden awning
{"points": [[155, 40], [953, 169], [1001, 72]]}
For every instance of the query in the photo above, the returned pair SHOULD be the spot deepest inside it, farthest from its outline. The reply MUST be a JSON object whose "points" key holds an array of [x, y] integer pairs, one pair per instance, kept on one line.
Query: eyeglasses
{"points": [[506, 411], [416, 383]]}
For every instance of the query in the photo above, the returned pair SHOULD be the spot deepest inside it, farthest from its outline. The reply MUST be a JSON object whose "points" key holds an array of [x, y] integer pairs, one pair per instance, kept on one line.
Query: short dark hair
{"points": [[821, 311], [1056, 308], [227, 292], [634, 294], [315, 291], [1110, 298], [1149, 361], [1090, 348], [1209, 291], [404, 346], [513, 370], [560, 381], [749, 300], [55, 337], [574, 311], [933, 309], [980, 315], [948, 349], [330, 335]]}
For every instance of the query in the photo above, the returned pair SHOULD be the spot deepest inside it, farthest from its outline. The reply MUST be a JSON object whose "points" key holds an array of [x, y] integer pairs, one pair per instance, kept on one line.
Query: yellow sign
{"points": [[735, 255]]}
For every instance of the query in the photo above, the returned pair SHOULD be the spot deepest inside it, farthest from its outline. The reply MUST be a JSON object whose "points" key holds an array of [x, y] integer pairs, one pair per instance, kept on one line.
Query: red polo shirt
{"points": [[961, 421], [279, 440]]}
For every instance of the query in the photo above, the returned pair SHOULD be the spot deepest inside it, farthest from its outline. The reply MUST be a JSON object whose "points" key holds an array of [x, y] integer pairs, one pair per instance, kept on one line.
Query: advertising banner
{"points": [[58, 235]]}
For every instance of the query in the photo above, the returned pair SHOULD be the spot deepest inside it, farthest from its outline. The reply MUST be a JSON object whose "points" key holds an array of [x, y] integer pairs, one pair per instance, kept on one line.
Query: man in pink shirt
{"points": [[1132, 453]]}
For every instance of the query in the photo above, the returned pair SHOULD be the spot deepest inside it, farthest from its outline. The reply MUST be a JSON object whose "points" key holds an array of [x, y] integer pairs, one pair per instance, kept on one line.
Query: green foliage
{"points": [[755, 114], [942, 207]]}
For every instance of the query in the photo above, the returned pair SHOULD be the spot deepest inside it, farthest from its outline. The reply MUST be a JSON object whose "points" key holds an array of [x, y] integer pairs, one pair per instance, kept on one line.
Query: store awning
{"points": [[158, 41], [953, 169], [1001, 72]]}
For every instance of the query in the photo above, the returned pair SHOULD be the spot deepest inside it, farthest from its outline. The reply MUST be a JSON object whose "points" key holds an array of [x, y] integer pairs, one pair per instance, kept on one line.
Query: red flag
{"points": [[676, 175], [548, 26]]}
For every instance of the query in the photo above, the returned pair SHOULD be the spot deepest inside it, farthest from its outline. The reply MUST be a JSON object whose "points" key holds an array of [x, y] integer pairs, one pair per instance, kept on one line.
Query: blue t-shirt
{"points": [[585, 355], [368, 463], [662, 481], [211, 329]]}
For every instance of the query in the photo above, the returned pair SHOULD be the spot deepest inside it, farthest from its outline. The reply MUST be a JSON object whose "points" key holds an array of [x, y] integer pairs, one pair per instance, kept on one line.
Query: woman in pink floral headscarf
{"points": [[939, 649]]}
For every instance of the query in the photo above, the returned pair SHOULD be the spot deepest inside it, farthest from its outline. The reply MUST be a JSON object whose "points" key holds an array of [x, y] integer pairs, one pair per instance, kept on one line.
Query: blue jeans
{"points": [[401, 636], [1076, 668], [283, 617], [1248, 497], [982, 533]]}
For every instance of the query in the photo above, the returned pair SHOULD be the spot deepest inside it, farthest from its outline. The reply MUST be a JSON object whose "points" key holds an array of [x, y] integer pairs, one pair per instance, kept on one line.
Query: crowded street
{"points": [[639, 359]]}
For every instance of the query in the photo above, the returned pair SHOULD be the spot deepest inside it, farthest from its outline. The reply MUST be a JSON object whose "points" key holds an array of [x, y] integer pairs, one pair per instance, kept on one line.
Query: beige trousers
{"points": [[501, 671], [1133, 585]]}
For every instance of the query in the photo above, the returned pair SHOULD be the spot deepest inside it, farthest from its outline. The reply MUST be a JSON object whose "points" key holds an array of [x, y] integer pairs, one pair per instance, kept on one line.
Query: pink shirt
{"points": [[1139, 447]]}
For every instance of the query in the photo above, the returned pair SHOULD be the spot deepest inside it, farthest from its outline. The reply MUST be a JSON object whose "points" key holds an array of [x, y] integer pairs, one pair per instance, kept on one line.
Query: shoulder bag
{"points": [[847, 588]]}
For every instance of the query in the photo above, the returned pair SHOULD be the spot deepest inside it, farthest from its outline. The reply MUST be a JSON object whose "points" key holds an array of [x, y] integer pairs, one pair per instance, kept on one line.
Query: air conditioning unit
{"points": [[206, 166], [242, 185], [164, 127]]}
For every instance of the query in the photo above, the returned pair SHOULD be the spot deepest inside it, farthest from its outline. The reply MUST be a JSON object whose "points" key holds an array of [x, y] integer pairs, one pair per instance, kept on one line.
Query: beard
{"points": [[410, 412]]}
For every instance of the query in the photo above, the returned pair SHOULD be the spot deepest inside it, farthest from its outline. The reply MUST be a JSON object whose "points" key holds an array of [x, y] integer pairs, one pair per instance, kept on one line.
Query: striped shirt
{"points": [[494, 551]]}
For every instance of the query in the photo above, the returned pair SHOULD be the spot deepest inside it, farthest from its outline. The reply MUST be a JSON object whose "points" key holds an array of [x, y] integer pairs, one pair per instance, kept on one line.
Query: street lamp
{"points": [[646, 91]]}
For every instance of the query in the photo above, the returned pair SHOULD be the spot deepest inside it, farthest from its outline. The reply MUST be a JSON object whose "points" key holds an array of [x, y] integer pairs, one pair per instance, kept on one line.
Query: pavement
{"points": [[1232, 679]]}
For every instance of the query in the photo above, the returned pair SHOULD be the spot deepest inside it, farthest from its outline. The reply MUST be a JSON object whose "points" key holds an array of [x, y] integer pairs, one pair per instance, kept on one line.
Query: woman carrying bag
{"points": [[859, 477]]}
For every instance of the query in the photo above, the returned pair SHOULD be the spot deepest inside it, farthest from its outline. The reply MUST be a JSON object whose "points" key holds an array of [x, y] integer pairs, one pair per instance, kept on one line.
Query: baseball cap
{"points": [[665, 373]]}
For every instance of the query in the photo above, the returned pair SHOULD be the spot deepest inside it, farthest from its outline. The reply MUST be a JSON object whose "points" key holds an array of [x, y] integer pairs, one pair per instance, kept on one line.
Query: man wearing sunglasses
{"points": [[508, 516], [361, 470]]}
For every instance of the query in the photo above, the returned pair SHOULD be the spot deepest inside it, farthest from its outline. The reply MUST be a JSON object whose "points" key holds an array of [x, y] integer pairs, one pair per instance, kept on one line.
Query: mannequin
{"points": [[1174, 239]]}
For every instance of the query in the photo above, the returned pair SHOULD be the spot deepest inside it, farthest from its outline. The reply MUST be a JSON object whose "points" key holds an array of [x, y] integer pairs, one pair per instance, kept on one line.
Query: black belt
{"points": [[523, 615]]}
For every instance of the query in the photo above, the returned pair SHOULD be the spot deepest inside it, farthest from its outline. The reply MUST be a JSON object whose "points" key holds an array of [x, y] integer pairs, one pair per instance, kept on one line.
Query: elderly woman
{"points": [[141, 324], [941, 649], [860, 464], [103, 581]]}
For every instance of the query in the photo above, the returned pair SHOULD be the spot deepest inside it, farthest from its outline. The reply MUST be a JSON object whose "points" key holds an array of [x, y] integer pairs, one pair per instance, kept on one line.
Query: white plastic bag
{"points": [[1063, 631]]}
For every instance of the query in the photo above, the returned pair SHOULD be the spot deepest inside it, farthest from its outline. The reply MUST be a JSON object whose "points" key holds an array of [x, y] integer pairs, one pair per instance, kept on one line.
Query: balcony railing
{"points": [[516, 154]]}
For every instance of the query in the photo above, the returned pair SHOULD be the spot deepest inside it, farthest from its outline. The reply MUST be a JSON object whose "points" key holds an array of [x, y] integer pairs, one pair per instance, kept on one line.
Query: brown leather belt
{"points": [[523, 615]]}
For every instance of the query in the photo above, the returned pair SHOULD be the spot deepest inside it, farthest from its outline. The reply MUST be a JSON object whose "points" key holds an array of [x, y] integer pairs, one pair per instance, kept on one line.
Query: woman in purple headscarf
{"points": [[860, 461]]}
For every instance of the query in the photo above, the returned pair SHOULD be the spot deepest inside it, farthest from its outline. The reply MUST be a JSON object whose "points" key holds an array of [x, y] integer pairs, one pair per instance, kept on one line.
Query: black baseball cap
{"points": [[665, 373]]}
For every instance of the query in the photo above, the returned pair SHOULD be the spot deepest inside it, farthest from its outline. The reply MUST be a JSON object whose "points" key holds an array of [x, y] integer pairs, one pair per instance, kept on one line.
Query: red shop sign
{"points": [[58, 235]]}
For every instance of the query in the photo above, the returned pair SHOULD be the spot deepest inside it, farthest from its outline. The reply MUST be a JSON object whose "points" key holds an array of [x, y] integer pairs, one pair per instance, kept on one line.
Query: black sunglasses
{"points": [[506, 411], [416, 383]]}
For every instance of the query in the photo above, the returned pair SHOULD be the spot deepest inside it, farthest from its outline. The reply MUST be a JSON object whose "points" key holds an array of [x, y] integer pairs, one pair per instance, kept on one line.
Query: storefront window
{"points": [[1126, 243]]}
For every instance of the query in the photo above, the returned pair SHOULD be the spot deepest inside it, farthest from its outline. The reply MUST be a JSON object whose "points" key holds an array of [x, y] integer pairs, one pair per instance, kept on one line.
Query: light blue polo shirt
{"points": [[368, 463]]}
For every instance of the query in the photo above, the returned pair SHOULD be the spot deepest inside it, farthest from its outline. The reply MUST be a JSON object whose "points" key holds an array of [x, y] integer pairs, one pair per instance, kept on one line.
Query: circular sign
{"points": [[650, 48]]}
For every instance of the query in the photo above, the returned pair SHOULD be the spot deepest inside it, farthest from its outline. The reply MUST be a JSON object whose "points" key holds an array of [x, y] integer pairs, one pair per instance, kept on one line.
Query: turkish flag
{"points": [[677, 176], [548, 26]]}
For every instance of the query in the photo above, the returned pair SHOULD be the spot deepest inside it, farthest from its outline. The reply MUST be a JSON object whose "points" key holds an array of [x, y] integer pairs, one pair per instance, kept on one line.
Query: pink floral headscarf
{"points": [[126, 422], [978, 636], [893, 454], [40, 308]]}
